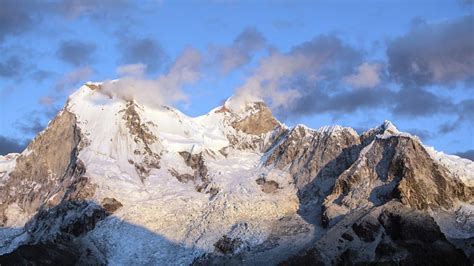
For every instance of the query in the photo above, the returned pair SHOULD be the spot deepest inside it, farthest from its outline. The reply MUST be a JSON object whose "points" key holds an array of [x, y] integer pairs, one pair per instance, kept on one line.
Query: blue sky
{"points": [[354, 63]]}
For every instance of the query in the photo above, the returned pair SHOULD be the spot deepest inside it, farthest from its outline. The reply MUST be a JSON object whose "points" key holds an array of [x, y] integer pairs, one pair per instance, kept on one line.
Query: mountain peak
{"points": [[253, 118], [256, 118], [388, 126], [238, 107]]}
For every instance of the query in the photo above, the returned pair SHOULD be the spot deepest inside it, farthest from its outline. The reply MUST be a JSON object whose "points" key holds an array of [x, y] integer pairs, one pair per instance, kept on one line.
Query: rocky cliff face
{"points": [[229, 187], [391, 234], [315, 157], [258, 122], [46, 170], [395, 168]]}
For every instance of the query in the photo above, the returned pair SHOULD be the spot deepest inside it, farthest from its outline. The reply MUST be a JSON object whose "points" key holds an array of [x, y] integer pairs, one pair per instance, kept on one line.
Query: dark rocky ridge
{"points": [[201, 179], [399, 235], [49, 171], [314, 156], [403, 171], [142, 134], [54, 236]]}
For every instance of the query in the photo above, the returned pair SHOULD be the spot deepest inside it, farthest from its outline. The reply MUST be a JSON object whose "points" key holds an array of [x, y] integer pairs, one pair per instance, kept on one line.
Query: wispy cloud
{"points": [[9, 145], [165, 89], [279, 77], [16, 17], [429, 54], [11, 67], [95, 9], [240, 52], [134, 70], [423, 134], [284, 24], [76, 52], [416, 102], [65, 85], [366, 76], [35, 121], [69, 80], [145, 51], [464, 112]]}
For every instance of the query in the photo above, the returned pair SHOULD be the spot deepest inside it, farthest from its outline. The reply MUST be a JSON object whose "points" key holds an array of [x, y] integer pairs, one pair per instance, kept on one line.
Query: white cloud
{"points": [[275, 80], [239, 53], [165, 89], [70, 79], [367, 76], [46, 101], [66, 84], [264, 85], [135, 70]]}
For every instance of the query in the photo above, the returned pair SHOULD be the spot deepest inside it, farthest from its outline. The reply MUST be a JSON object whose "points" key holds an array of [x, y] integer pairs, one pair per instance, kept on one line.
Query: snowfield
{"points": [[166, 214]]}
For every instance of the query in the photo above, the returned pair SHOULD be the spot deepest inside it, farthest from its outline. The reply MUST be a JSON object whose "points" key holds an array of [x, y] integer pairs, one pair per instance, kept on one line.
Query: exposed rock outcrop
{"points": [[142, 135], [54, 236], [419, 235], [268, 186], [392, 234], [386, 128], [367, 229], [315, 157], [110, 205], [184, 178], [307, 257], [201, 178], [396, 167], [258, 122], [47, 170], [261, 129], [228, 245]]}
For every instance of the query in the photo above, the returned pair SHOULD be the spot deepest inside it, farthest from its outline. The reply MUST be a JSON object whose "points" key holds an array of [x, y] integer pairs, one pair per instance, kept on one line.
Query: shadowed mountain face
{"points": [[390, 234], [60, 236], [54, 236], [116, 182]]}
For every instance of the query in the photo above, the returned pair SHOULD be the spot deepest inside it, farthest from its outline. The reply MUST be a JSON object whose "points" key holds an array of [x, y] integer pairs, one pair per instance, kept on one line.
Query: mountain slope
{"points": [[227, 186]]}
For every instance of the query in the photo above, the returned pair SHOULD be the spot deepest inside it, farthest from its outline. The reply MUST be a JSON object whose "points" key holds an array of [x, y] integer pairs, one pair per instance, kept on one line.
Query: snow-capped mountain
{"points": [[112, 181]]}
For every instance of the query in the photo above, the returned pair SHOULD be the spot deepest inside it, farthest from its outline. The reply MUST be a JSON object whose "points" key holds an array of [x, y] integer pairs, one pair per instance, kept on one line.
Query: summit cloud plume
{"points": [[165, 89]]}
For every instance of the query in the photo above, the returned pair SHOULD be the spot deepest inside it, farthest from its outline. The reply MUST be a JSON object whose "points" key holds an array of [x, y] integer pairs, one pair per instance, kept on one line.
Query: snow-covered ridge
{"points": [[169, 124], [7, 164], [100, 118], [325, 130], [460, 167], [389, 126]]}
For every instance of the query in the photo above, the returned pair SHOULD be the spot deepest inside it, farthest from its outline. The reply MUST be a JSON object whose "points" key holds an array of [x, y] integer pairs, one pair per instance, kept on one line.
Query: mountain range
{"points": [[114, 181]]}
